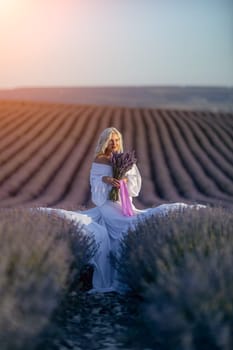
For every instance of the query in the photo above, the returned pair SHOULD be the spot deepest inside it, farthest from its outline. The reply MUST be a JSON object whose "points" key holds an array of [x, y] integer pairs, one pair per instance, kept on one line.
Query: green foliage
{"points": [[181, 265]]}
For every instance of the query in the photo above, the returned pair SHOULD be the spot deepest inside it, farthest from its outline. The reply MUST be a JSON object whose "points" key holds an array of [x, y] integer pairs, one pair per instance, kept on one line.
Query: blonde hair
{"points": [[104, 139]]}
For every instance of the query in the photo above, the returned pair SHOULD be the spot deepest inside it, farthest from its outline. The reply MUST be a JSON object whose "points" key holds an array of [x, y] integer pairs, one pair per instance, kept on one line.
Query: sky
{"points": [[116, 43]]}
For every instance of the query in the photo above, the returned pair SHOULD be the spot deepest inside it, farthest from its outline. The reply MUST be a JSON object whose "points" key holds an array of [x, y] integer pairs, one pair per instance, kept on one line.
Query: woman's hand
{"points": [[111, 181]]}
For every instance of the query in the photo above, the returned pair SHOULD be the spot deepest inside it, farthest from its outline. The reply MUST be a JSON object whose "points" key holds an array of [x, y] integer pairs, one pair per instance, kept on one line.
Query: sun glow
{"points": [[11, 11], [31, 32], [8, 7]]}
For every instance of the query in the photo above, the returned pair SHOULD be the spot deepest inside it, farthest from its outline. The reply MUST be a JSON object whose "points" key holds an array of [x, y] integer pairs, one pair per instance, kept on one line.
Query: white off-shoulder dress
{"points": [[108, 224], [110, 213]]}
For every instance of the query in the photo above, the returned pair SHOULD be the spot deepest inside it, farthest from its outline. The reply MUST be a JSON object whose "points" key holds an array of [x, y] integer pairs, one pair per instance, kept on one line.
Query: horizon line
{"points": [[115, 86]]}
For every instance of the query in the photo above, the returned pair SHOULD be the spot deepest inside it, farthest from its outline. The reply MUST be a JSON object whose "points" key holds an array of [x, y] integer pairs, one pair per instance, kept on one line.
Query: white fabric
{"points": [[102, 268], [108, 224], [108, 214], [100, 190]]}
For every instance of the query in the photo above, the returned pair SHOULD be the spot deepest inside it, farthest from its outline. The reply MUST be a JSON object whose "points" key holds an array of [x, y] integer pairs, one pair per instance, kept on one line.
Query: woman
{"points": [[106, 220], [107, 213]]}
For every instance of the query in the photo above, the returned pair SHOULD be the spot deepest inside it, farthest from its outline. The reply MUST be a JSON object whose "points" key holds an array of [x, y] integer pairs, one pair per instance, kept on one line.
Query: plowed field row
{"points": [[46, 152]]}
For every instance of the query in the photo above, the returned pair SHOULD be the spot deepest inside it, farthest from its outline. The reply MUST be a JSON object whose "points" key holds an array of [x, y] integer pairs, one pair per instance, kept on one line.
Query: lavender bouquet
{"points": [[121, 163]]}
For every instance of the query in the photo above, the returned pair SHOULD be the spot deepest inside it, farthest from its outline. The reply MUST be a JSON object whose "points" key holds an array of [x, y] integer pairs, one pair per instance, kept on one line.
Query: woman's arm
{"points": [[101, 183]]}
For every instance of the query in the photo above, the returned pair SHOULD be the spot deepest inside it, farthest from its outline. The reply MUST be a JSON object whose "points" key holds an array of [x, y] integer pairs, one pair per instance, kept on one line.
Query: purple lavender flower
{"points": [[121, 163]]}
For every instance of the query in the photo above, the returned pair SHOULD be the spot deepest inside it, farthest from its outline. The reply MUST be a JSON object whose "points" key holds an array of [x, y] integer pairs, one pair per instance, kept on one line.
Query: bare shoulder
{"points": [[102, 160]]}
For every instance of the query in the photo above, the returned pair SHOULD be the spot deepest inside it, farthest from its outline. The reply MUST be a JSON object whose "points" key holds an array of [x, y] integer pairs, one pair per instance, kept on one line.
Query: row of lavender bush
{"points": [[181, 266], [41, 255]]}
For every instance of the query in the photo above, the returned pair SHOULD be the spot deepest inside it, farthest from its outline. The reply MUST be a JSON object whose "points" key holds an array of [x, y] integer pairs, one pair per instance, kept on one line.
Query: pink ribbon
{"points": [[126, 204]]}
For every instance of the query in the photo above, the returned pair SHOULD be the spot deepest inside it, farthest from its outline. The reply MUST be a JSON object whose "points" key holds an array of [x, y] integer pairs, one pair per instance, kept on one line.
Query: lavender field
{"points": [[46, 150]]}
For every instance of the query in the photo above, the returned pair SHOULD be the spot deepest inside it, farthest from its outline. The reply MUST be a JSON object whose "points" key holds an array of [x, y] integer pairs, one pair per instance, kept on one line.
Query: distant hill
{"points": [[198, 98]]}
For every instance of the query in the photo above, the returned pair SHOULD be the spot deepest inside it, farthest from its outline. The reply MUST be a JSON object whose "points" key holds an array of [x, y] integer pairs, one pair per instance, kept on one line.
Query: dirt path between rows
{"points": [[94, 322]]}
